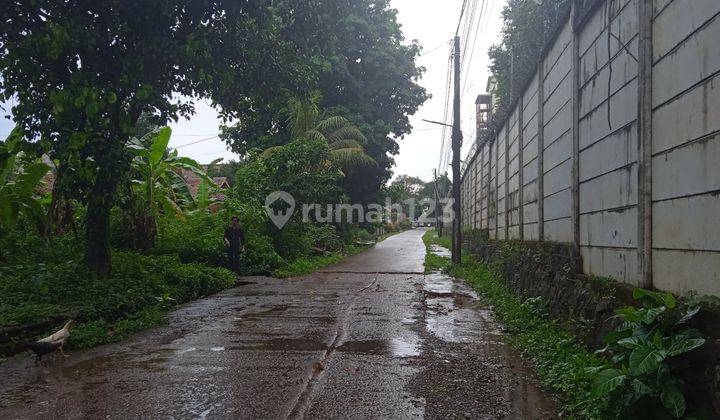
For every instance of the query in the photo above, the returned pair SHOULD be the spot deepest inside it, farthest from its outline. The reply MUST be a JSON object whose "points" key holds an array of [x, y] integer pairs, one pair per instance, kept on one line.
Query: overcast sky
{"points": [[433, 24]]}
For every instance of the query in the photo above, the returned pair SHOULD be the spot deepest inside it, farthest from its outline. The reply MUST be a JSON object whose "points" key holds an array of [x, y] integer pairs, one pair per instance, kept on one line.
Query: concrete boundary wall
{"points": [[613, 146]]}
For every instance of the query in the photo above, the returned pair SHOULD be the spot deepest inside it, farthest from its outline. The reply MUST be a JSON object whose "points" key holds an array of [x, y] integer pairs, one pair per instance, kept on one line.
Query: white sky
{"points": [[433, 24]]}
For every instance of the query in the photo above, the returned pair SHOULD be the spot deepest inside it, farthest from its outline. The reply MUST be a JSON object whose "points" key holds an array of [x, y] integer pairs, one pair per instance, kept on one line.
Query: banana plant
{"points": [[203, 198], [158, 185], [17, 186]]}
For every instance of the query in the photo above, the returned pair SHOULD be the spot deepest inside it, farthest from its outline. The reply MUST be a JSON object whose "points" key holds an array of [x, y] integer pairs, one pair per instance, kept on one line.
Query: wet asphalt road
{"points": [[370, 337]]}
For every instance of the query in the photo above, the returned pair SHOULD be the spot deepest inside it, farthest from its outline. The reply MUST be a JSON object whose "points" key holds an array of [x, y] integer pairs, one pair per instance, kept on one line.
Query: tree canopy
{"points": [[527, 27], [81, 74], [364, 71]]}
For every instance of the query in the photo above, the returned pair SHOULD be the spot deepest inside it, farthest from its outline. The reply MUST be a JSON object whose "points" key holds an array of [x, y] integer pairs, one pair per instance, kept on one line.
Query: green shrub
{"points": [[196, 239], [293, 241], [260, 256], [138, 287], [639, 380], [364, 236], [325, 237], [307, 265]]}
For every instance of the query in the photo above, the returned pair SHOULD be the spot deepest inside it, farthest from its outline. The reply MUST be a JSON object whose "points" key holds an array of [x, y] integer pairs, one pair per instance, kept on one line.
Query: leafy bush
{"points": [[325, 237], [302, 168], [307, 265], [363, 235], [195, 239], [293, 241], [34, 293], [640, 380], [260, 256]]}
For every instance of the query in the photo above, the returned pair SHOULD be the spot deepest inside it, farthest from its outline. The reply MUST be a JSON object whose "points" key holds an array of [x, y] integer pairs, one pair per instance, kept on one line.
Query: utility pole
{"points": [[438, 226], [456, 145]]}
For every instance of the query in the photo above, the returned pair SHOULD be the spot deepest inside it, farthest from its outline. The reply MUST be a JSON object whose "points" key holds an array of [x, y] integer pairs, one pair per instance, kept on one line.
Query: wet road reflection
{"points": [[337, 344]]}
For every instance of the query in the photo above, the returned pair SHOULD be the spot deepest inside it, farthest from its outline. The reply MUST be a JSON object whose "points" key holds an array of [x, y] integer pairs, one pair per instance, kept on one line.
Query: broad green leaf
{"points": [[649, 315], [630, 342], [7, 168], [673, 400], [682, 344], [629, 314], [34, 211], [640, 388], [28, 180], [644, 359], [661, 298], [159, 145], [607, 381]]}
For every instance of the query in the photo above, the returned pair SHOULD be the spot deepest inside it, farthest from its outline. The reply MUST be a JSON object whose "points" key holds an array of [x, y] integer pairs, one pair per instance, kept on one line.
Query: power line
{"points": [[478, 30], [462, 12], [433, 49], [196, 142], [445, 111]]}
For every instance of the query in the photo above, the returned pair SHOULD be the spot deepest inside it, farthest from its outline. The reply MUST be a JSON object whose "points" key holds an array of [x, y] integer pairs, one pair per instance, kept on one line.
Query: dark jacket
{"points": [[235, 236]]}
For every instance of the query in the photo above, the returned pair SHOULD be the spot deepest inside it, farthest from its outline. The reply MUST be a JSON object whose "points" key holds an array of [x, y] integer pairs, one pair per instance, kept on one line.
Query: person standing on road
{"points": [[235, 242]]}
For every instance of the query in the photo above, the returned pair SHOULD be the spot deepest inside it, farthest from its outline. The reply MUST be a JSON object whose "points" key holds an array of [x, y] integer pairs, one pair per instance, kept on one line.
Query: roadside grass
{"points": [[431, 238], [308, 265], [434, 262], [560, 361]]}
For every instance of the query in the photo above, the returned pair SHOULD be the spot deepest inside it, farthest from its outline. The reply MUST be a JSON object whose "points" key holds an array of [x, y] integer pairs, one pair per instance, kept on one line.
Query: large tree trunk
{"points": [[97, 243]]}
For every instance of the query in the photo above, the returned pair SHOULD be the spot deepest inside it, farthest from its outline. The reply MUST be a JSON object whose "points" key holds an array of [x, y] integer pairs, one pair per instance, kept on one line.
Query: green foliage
{"points": [[81, 74], [158, 186], [640, 381], [362, 235], [198, 238], [194, 239], [17, 186], [308, 265], [365, 72], [98, 332], [527, 27], [135, 296], [434, 262], [301, 168], [345, 140]]}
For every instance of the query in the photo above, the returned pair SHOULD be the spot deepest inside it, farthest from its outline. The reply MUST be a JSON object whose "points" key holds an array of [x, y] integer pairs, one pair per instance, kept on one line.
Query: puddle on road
{"points": [[454, 314], [283, 344], [262, 311], [440, 251], [397, 347]]}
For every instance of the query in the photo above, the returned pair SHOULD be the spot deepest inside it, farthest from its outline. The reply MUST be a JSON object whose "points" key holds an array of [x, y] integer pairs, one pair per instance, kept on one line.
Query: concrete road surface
{"points": [[371, 337]]}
